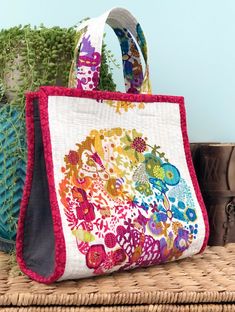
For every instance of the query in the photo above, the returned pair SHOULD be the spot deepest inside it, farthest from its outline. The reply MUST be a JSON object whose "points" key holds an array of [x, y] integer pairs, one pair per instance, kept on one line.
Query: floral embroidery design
{"points": [[125, 203], [132, 67], [88, 65], [124, 106]]}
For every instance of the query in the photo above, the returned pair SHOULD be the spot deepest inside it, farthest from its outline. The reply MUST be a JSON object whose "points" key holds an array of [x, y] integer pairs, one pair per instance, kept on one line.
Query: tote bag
{"points": [[110, 183]]}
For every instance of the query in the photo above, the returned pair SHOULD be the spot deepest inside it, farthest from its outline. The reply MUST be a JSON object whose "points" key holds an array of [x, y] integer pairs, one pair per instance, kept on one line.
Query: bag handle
{"points": [[85, 69]]}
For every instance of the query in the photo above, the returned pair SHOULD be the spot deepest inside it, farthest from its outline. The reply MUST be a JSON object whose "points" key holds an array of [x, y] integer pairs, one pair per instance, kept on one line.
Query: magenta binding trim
{"points": [[44, 92], [106, 95]]}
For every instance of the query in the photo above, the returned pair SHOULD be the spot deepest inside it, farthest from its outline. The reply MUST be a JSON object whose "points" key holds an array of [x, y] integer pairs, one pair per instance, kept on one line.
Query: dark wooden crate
{"points": [[215, 168]]}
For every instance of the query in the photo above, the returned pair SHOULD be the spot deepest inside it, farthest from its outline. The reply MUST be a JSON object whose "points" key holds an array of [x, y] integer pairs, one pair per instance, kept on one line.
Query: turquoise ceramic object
{"points": [[12, 172]]}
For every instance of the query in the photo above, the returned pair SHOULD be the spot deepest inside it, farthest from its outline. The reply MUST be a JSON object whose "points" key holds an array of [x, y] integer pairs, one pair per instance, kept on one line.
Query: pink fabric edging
{"points": [[106, 95], [60, 251]]}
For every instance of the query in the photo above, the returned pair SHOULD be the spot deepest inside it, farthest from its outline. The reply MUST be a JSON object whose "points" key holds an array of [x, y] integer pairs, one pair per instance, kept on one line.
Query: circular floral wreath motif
{"points": [[125, 203]]}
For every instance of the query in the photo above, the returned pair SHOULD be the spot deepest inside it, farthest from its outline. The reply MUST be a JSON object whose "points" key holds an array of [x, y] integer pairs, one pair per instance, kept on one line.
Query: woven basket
{"points": [[202, 283]]}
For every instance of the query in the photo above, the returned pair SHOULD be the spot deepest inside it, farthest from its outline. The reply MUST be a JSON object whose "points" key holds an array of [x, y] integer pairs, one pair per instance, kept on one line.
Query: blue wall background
{"points": [[191, 44]]}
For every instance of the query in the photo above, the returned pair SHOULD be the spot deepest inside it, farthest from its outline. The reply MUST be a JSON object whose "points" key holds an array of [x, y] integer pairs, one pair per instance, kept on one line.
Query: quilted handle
{"points": [[85, 70]]}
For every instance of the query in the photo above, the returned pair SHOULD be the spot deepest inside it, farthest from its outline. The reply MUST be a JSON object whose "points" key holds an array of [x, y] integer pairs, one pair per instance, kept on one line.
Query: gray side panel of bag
{"points": [[39, 242]]}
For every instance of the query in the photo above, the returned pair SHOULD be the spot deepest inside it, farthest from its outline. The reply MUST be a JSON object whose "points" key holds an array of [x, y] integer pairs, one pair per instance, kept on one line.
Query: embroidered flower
{"points": [[139, 144], [144, 188], [152, 164], [191, 214], [158, 172], [110, 240], [95, 256], [182, 240], [155, 227], [73, 158], [106, 265], [169, 210], [113, 187], [83, 183], [172, 175], [181, 205], [119, 256], [85, 210], [158, 224], [134, 146]]}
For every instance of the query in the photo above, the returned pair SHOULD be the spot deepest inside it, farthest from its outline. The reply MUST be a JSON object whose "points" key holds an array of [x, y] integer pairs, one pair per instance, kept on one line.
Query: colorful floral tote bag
{"points": [[110, 184]]}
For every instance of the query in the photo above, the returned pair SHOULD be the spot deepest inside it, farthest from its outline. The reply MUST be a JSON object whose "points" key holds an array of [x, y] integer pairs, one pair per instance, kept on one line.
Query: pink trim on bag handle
{"points": [[85, 70]]}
